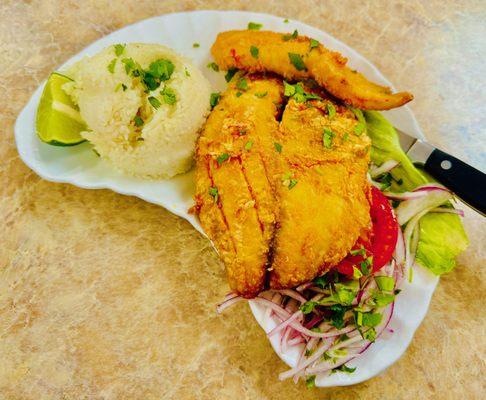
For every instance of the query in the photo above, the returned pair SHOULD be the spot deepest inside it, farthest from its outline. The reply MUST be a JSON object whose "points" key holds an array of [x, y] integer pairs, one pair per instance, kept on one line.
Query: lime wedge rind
{"points": [[58, 121]]}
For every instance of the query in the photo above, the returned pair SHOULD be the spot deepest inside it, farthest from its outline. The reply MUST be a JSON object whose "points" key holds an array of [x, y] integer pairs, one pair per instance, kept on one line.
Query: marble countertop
{"points": [[104, 296]]}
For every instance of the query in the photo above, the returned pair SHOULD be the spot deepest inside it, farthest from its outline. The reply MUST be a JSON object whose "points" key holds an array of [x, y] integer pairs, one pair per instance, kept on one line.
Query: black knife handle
{"points": [[467, 183]]}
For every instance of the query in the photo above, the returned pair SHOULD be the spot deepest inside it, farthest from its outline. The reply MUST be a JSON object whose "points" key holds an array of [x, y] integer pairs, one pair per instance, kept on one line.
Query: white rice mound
{"points": [[164, 145]]}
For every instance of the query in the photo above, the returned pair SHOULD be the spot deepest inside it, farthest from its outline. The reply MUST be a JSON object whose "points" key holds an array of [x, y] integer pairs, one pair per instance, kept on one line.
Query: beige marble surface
{"points": [[107, 297]]}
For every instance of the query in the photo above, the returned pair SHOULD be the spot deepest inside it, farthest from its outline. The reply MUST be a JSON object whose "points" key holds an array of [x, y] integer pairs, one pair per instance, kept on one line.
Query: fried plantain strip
{"points": [[295, 59]]}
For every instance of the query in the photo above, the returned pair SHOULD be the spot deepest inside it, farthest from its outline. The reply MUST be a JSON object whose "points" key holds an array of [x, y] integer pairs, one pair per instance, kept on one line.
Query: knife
{"points": [[466, 182]]}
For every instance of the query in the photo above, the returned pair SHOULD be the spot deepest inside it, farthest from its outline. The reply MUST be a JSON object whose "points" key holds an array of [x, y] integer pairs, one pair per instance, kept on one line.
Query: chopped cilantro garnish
{"points": [[161, 69], [119, 49], [186, 72], [297, 62], [310, 382], [229, 75], [308, 307], [381, 299], [278, 147], [154, 101], [298, 93], [289, 90], [370, 335], [238, 94], [222, 158], [254, 26], [120, 86], [344, 368], [260, 95], [213, 66], [248, 145], [321, 281], [327, 137], [111, 66], [314, 43], [385, 181], [138, 121], [168, 95], [254, 51], [196, 45], [337, 315], [345, 136], [286, 21], [331, 110], [214, 99], [386, 283], [131, 67], [359, 129], [358, 252], [290, 36], [292, 183], [365, 265], [369, 319], [213, 191], [242, 84], [356, 273]]}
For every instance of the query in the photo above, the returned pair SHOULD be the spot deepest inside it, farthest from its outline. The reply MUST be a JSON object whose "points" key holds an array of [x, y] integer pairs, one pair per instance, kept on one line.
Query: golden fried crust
{"points": [[322, 216], [232, 50], [241, 220]]}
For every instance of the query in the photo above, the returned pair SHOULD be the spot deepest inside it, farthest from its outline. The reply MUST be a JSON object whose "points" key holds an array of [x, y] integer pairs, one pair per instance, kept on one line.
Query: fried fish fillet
{"points": [[284, 201], [297, 58], [322, 193], [234, 191]]}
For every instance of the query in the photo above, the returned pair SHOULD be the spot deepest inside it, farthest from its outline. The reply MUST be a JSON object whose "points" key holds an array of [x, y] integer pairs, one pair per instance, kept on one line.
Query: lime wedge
{"points": [[58, 120]]}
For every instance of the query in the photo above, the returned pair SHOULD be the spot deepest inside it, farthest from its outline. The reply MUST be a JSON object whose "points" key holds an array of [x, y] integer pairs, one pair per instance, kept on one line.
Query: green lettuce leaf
{"points": [[442, 236]]}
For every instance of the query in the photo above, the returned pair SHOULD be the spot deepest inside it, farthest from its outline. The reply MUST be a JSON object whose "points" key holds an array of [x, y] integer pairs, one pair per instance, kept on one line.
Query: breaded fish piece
{"points": [[295, 59], [322, 193], [234, 193]]}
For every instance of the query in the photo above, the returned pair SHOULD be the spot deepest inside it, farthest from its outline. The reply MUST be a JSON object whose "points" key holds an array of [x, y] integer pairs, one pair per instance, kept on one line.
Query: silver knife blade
{"points": [[418, 150]]}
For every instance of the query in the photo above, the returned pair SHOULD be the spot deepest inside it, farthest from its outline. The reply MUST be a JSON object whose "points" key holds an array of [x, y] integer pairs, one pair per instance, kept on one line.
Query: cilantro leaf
{"points": [[261, 95], [213, 66], [359, 129], [292, 183], [289, 90], [254, 51], [253, 26], [138, 121], [310, 382], [242, 84], [168, 95], [344, 368], [213, 191], [385, 282], [313, 43], [287, 37], [327, 138], [229, 75], [196, 45], [222, 158], [214, 99], [119, 49], [248, 145], [111, 66], [161, 69], [337, 315], [308, 307], [331, 110], [297, 62], [278, 147], [154, 101]]}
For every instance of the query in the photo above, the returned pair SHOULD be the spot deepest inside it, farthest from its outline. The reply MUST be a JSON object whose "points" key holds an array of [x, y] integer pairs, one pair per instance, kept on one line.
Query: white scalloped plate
{"points": [[79, 166]]}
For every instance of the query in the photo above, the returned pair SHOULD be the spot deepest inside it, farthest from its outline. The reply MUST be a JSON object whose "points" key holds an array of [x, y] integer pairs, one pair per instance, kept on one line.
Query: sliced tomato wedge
{"points": [[381, 240]]}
